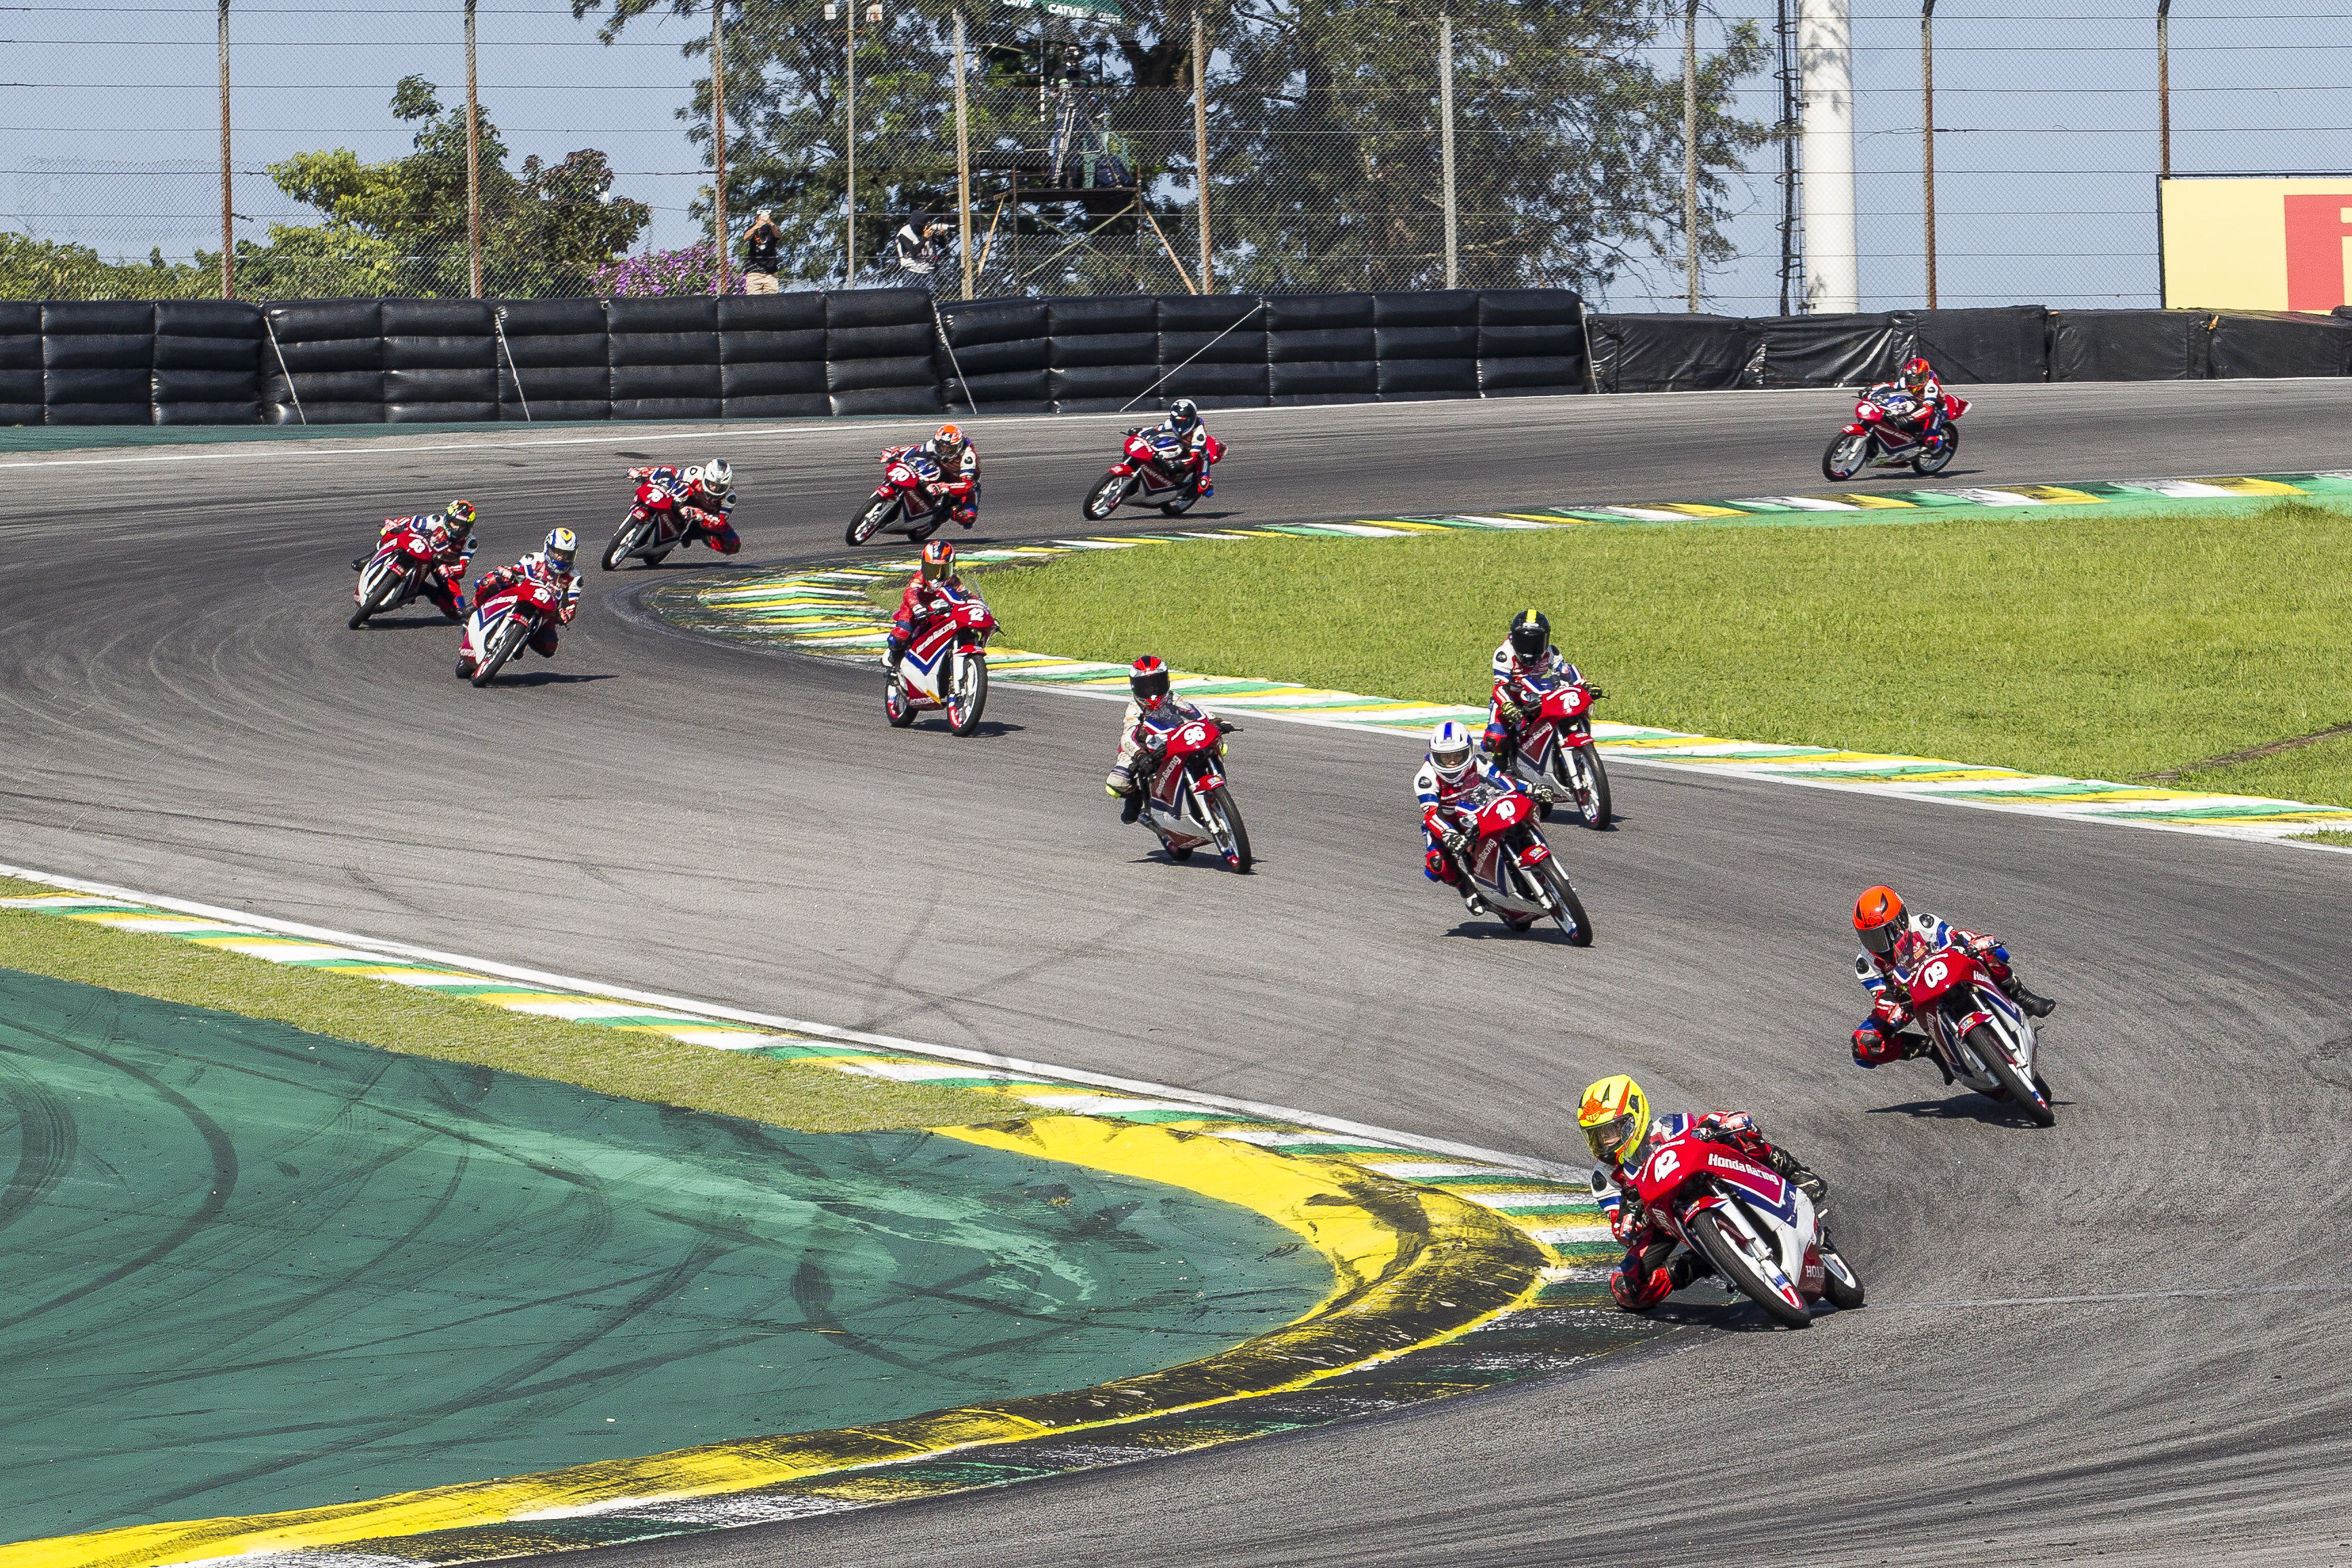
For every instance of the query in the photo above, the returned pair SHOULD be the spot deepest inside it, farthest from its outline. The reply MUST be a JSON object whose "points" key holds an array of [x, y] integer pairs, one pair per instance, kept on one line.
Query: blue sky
{"points": [[2046, 158]]}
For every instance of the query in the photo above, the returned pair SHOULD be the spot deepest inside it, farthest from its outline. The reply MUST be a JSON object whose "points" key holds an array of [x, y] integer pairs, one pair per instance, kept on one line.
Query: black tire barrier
{"points": [[440, 361], [2002, 343], [20, 363], [557, 362], [2278, 342], [207, 362], [98, 362], [2127, 345]]}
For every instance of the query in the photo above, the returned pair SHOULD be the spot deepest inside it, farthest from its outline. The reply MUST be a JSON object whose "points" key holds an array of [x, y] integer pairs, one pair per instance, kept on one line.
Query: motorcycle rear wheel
{"points": [[1940, 458], [625, 538], [2022, 1092], [1729, 1255], [869, 521], [1183, 503], [510, 643], [1844, 457], [1104, 499], [1846, 1298], [1225, 814], [965, 707], [1578, 924]]}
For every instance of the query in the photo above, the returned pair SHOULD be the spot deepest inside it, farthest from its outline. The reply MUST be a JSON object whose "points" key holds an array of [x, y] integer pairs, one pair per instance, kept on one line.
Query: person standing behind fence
{"points": [[922, 245], [760, 255]]}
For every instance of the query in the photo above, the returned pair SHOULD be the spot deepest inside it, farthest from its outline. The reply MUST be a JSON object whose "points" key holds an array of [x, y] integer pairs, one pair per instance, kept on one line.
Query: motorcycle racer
{"points": [[553, 563], [1911, 397], [1618, 1127], [703, 495], [1527, 649], [1200, 449], [1451, 770], [1150, 705], [949, 465], [921, 601], [1895, 943], [452, 536]]}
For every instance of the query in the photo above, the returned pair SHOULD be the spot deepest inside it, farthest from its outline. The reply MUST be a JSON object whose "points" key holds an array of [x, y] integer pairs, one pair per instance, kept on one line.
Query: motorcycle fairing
{"points": [[1764, 1187]]}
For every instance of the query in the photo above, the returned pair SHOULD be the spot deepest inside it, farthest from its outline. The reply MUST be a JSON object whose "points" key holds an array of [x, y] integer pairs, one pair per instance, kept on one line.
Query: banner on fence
{"points": [[2257, 244]]}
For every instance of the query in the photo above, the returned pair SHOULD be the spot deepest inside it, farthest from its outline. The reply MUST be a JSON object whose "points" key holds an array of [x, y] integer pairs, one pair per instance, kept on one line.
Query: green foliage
{"points": [[2097, 644], [44, 269]]}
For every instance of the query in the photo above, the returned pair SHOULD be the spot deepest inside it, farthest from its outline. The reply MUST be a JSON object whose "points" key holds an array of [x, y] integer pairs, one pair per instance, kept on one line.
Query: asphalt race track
{"points": [[2121, 1337]]}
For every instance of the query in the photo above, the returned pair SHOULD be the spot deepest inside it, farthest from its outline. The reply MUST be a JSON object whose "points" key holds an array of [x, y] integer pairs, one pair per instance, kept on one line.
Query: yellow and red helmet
{"points": [[1615, 1116], [1879, 919], [938, 559]]}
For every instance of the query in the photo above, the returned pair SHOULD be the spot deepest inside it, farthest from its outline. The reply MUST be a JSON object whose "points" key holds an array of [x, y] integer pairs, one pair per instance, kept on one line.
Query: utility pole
{"points": [[849, 142], [718, 133], [963, 161], [2163, 82], [1200, 133], [1445, 146], [1690, 150], [473, 163], [228, 215], [1928, 132]]}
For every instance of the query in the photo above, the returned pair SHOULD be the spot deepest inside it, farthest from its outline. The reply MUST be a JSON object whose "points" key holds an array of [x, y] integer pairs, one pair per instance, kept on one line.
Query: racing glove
{"points": [[1631, 1218]]}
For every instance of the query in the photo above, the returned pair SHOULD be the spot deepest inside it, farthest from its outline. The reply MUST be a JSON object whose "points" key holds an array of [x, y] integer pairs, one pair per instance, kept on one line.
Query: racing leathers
{"points": [[1131, 771], [536, 568], [1200, 449], [1907, 406], [453, 547], [1444, 845], [1881, 1037], [1649, 1271], [924, 598], [1505, 705], [958, 479], [702, 511]]}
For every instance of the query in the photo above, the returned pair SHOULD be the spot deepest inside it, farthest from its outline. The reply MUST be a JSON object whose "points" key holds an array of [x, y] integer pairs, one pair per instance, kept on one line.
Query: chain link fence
{"points": [[1061, 149]]}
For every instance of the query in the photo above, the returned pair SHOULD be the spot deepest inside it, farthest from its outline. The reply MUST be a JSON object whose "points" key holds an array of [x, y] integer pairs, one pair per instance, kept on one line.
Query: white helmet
{"points": [[692, 477], [1451, 752], [718, 477]]}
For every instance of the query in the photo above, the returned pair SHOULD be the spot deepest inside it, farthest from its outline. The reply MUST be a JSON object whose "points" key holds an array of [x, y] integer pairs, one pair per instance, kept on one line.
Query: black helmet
{"points": [[1530, 633], [1148, 680], [1183, 414]]}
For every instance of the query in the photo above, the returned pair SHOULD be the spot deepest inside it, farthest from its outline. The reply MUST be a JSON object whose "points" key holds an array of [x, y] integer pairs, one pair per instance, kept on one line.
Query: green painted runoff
{"points": [[245, 1268]]}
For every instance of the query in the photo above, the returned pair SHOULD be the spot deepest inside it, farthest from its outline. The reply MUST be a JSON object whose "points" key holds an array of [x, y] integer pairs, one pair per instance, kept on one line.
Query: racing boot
{"points": [[2032, 1007], [1474, 903], [1131, 809]]}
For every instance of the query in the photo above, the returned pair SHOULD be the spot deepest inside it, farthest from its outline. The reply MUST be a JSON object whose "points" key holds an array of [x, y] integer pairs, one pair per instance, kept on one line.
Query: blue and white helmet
{"points": [[1453, 752], [562, 545]]}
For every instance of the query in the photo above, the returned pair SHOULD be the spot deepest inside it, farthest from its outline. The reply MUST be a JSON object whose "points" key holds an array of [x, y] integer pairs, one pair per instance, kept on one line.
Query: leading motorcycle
{"points": [[906, 501], [502, 622], [945, 667], [396, 574], [1187, 804], [1980, 1035], [1755, 1229], [1152, 470], [1873, 439], [1554, 746], [1493, 833]]}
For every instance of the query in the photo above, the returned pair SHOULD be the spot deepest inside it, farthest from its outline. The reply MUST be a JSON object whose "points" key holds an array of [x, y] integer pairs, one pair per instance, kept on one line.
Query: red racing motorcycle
{"points": [[404, 563], [1511, 867], [1755, 1229], [653, 529], [1874, 440], [907, 501], [1554, 746], [945, 667], [502, 624], [1153, 471], [1187, 805], [1982, 1037]]}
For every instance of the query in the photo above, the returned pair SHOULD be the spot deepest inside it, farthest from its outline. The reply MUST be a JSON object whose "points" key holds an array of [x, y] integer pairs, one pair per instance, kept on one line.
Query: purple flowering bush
{"points": [[692, 271]]}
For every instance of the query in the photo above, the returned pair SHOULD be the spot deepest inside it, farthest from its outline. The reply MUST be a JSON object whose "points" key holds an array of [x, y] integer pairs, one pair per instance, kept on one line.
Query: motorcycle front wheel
{"points": [[387, 594], [1845, 457], [869, 520], [625, 538], [1578, 770], [1104, 499], [509, 643], [1573, 920], [894, 706], [1935, 459], [1233, 837], [970, 697], [2023, 1092], [1729, 1253]]}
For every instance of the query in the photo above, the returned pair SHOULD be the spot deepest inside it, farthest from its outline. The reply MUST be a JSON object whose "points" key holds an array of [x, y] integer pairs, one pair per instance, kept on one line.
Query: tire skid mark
{"points": [[46, 1140]]}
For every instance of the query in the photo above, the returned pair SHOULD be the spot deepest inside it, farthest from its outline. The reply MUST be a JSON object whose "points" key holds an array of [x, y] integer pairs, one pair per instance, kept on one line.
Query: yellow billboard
{"points": [[2269, 244]]}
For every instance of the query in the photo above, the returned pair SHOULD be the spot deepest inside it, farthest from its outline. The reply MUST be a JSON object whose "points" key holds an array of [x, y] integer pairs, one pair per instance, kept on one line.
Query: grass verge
{"points": [[630, 1065], [2091, 643], [2334, 836]]}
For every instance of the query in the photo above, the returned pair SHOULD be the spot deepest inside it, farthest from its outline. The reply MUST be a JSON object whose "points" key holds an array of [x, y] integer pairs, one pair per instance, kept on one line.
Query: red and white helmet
{"points": [[1148, 680]]}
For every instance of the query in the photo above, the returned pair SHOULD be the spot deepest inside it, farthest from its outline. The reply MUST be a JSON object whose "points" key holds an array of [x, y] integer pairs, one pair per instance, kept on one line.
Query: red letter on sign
{"points": [[2318, 252]]}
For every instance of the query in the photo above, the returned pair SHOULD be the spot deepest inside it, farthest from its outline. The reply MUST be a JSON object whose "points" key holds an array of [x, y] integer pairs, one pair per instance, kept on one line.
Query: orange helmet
{"points": [[938, 559], [950, 436], [1879, 920]]}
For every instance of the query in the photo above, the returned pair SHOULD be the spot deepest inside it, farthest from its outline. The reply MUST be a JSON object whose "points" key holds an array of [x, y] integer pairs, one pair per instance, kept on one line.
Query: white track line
{"points": [[1014, 1064]]}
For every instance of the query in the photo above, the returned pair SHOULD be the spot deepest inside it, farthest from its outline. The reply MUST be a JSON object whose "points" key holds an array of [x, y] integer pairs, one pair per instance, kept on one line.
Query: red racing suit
{"points": [[703, 511], [1880, 1039], [1909, 409], [453, 546], [1649, 1272], [1201, 449], [922, 600], [1437, 799], [1502, 722], [537, 567], [958, 479]]}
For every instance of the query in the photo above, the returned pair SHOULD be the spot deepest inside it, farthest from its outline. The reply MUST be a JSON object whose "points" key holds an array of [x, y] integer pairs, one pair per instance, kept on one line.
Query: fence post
{"points": [[1927, 132], [228, 215], [473, 165], [1200, 133], [718, 134], [1445, 146], [2163, 82], [849, 143], [1690, 150], [963, 165]]}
